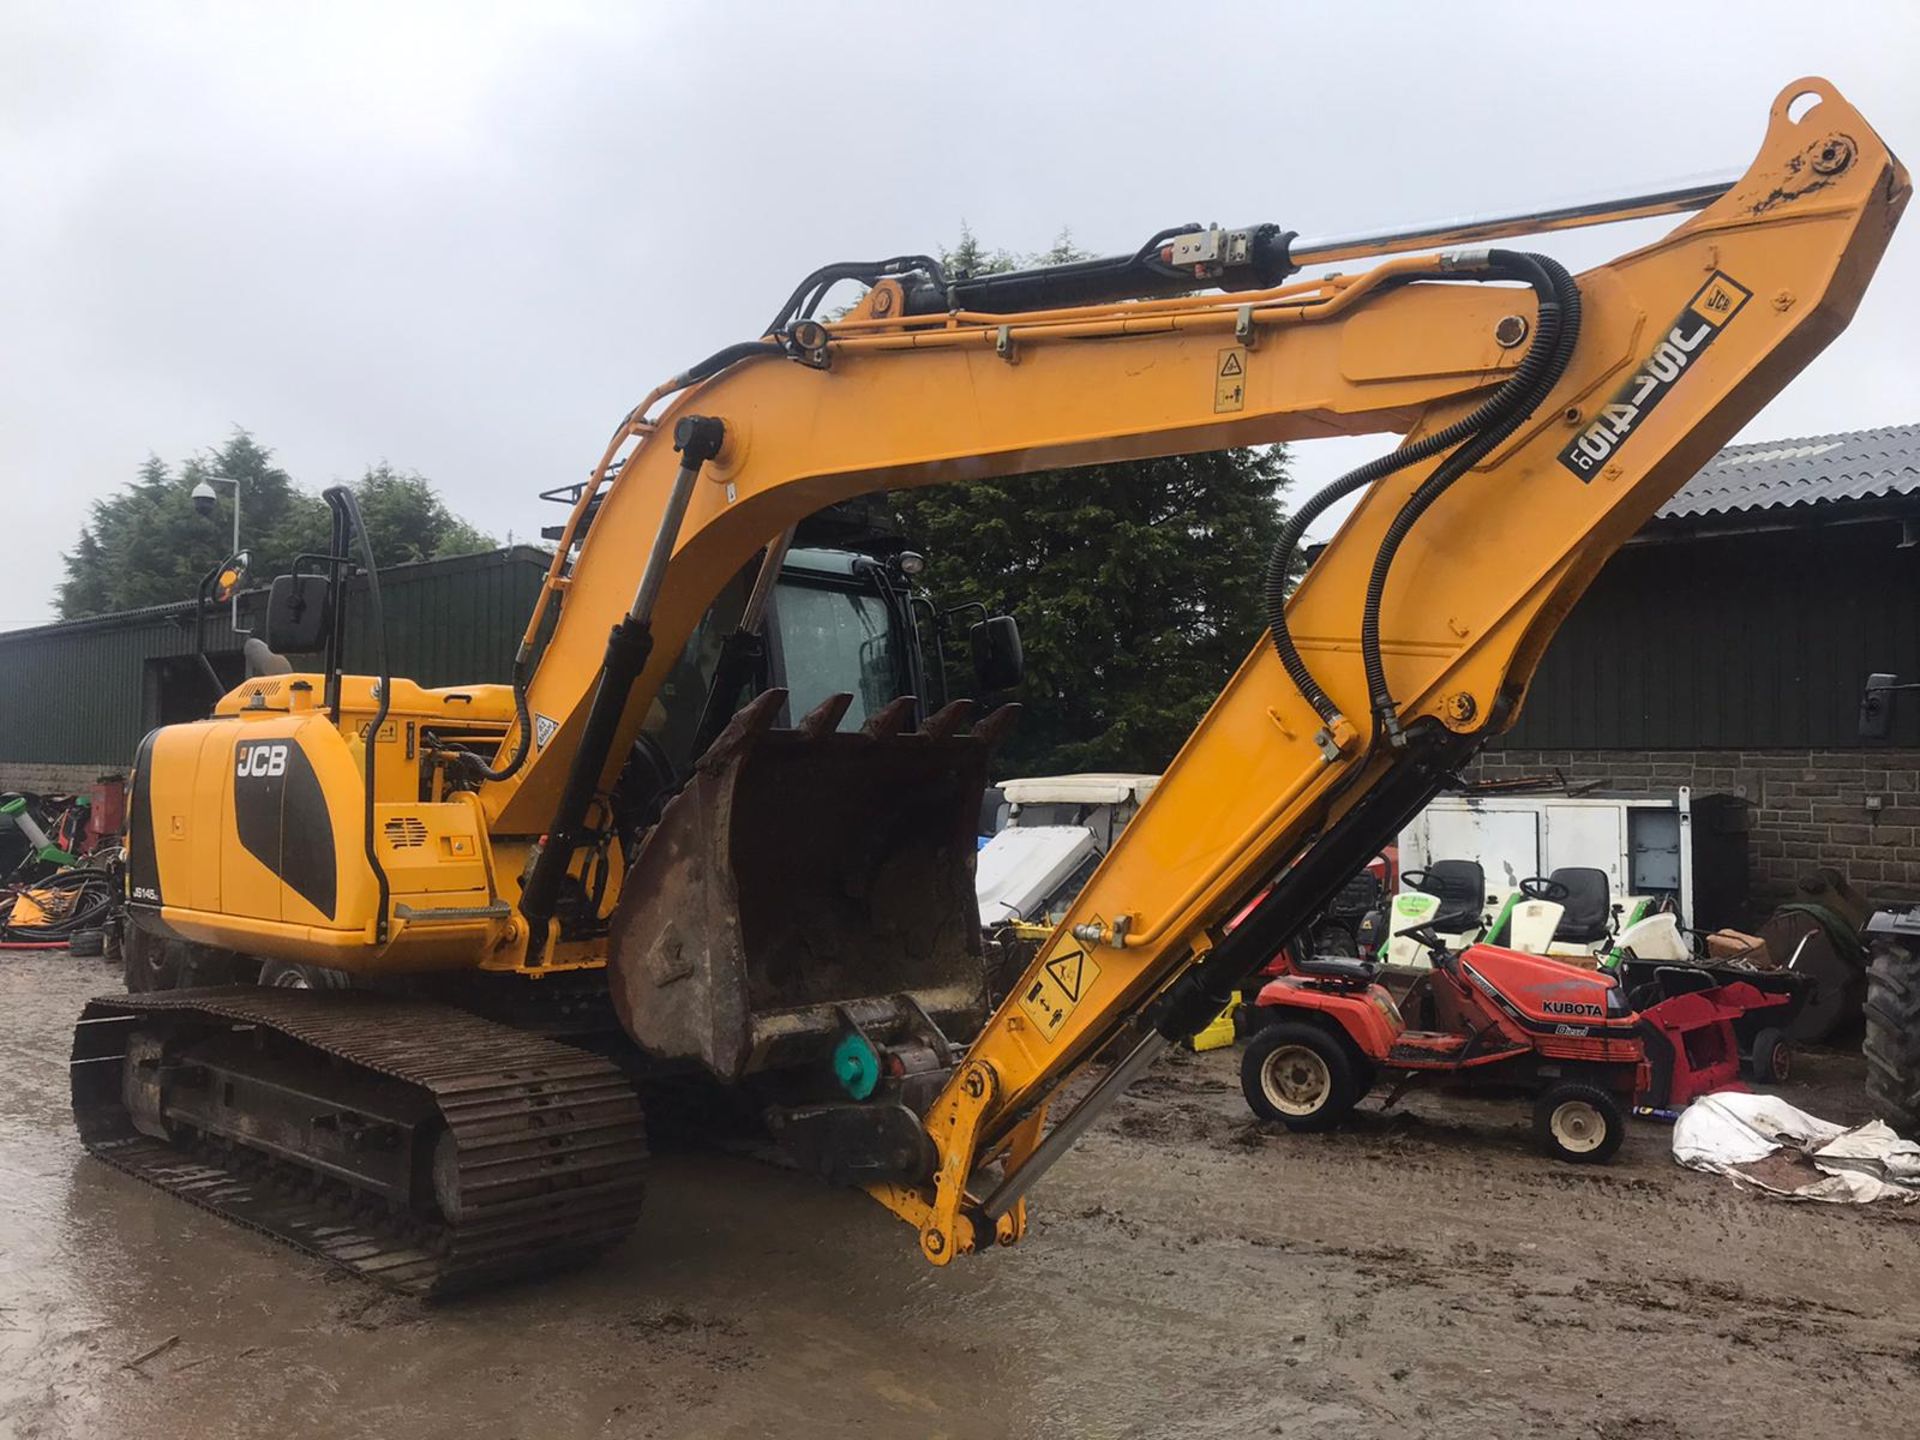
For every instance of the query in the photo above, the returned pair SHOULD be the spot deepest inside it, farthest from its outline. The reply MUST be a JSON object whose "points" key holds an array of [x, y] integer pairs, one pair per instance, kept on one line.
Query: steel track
{"points": [[550, 1141]]}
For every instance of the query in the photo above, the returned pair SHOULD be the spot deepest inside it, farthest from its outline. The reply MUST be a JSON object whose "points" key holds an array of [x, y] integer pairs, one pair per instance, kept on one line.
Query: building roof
{"points": [[183, 609], [1814, 469]]}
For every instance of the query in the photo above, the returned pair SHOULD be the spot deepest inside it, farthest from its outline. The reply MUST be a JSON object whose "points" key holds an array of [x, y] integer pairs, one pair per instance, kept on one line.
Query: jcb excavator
{"points": [[797, 918]]}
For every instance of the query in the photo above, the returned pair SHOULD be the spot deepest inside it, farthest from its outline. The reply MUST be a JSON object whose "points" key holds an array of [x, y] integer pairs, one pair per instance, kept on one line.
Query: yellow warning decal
{"points": [[1052, 995], [1230, 380]]}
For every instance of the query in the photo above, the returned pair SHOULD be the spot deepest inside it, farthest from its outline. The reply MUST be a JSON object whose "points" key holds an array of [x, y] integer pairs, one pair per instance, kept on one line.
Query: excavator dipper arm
{"points": [[1546, 419]]}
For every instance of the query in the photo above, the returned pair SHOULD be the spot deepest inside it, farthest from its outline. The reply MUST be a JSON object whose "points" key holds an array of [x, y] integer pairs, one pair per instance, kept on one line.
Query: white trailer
{"points": [[1667, 843]]}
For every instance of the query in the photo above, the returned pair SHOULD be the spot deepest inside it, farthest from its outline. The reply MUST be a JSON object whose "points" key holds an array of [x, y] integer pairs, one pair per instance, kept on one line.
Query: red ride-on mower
{"points": [[1506, 1020]]}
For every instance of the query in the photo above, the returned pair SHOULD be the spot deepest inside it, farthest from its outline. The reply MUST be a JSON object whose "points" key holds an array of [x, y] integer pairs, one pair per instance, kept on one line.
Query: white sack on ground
{"points": [[1763, 1142]]}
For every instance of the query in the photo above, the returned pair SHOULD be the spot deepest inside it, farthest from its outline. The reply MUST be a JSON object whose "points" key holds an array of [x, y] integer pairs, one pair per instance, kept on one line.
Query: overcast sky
{"points": [[465, 239]]}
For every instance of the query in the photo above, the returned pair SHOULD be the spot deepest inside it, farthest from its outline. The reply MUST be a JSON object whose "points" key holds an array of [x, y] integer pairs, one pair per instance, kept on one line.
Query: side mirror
{"points": [[999, 662], [299, 611], [1876, 707]]}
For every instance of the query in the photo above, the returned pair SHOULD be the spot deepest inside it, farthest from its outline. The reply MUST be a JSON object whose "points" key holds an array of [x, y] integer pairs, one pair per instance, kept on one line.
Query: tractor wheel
{"points": [[1893, 1034], [1772, 1059], [287, 975], [1299, 1075], [1578, 1122]]}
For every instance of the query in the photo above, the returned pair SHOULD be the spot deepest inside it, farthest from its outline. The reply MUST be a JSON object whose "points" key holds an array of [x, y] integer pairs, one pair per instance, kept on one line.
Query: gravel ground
{"points": [[1189, 1273]]}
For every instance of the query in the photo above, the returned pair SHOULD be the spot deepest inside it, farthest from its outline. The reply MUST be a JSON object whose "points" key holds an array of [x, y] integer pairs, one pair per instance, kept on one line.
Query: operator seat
{"points": [[1588, 915], [1461, 887], [1347, 969]]}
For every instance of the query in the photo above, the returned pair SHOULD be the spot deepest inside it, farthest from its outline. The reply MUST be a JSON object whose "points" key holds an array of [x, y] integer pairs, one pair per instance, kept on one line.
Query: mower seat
{"points": [[1359, 895], [1461, 888], [1344, 968], [1588, 916]]}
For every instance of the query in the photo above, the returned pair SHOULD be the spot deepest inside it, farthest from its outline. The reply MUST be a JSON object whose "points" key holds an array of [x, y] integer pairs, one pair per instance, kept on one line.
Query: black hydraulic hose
{"points": [[477, 768], [722, 359], [1146, 252], [92, 904], [341, 496], [867, 272], [1512, 392], [1557, 330]]}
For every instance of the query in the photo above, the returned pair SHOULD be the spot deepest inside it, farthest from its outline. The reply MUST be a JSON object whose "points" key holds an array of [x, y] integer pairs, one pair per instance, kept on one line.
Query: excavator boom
{"points": [[1439, 593]]}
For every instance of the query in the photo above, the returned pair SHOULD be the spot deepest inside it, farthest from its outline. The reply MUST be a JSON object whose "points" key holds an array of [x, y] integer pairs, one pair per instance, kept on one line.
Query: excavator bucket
{"points": [[806, 884]]}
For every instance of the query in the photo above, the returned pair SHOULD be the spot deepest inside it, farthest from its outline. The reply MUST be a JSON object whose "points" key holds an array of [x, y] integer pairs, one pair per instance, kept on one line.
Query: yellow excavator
{"points": [[441, 888]]}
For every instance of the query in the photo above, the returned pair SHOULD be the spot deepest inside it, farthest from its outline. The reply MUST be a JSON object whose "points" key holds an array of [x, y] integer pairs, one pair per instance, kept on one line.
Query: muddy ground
{"points": [[1189, 1273]]}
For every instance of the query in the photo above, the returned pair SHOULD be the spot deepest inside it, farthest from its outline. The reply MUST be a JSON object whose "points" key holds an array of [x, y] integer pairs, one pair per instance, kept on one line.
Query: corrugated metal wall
{"points": [[1745, 641], [74, 694], [450, 622]]}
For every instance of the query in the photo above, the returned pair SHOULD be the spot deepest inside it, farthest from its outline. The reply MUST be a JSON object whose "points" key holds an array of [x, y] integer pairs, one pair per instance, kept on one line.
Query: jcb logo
{"points": [[266, 759], [1716, 302]]}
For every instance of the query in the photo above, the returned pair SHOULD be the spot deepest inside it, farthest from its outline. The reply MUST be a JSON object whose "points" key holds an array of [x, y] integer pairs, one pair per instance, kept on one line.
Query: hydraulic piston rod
{"points": [[1673, 199]]}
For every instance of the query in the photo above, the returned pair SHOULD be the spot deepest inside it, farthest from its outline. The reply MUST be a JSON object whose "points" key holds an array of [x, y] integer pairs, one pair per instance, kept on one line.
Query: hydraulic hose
{"points": [[808, 294], [1513, 392], [523, 717], [93, 895], [1556, 331]]}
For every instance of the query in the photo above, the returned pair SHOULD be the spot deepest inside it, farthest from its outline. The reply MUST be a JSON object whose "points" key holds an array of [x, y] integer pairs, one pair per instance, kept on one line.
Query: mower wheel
{"points": [[1299, 1075], [1772, 1059], [1580, 1123], [87, 944]]}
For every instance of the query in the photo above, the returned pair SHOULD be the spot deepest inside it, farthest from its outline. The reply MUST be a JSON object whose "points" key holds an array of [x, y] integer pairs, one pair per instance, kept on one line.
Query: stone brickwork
{"points": [[36, 778], [1807, 807]]}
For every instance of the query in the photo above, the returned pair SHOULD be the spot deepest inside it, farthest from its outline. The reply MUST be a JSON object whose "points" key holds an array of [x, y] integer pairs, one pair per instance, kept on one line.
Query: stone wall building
{"points": [[1726, 646]]}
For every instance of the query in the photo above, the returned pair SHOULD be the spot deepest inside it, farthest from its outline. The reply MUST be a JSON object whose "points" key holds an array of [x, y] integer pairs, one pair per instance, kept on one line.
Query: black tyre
{"points": [[1580, 1123], [287, 975], [88, 944], [148, 962], [1772, 1060], [1893, 1034], [151, 963], [1299, 1075]]}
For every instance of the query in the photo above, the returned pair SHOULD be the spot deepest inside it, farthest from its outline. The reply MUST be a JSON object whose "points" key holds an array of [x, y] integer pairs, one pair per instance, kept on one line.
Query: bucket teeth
{"points": [[949, 720], [749, 723], [997, 726], [890, 719], [825, 717]]}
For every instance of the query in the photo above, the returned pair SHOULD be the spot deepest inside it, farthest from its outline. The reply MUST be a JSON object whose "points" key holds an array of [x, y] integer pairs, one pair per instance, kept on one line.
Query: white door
{"points": [[1587, 835], [1505, 842]]}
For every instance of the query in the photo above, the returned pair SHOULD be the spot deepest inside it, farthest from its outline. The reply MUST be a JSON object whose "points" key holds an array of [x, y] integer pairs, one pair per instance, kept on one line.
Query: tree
{"points": [[147, 545], [1137, 585], [407, 519]]}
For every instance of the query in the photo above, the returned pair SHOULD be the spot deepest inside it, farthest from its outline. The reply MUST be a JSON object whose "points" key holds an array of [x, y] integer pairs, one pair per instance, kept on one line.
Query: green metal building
{"points": [[76, 696]]}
